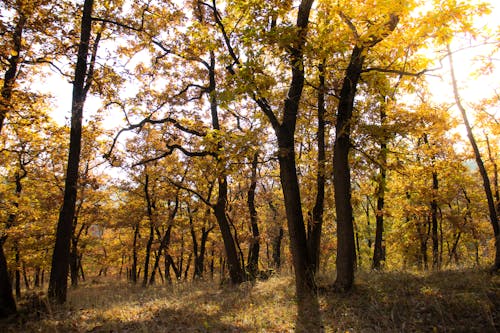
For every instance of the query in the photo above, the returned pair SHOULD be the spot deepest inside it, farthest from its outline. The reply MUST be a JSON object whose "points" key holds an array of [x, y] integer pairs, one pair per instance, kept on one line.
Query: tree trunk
{"points": [[341, 173], [133, 271], [434, 212], [235, 269], [378, 250], [17, 271], [7, 302], [253, 251], [149, 244], [12, 69], [493, 214], [164, 244], [315, 225], [60, 260]]}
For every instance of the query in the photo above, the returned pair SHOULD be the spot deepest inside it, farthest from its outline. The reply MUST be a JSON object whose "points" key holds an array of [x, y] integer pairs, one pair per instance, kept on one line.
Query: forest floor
{"points": [[451, 301]]}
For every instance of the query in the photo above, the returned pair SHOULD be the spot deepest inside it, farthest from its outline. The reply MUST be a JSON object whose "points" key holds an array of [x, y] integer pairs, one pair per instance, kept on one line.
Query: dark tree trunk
{"points": [[378, 250], [73, 264], [12, 69], [37, 277], [164, 244], [60, 260], [199, 250], [133, 271], [493, 214], [495, 176], [235, 268], [17, 271], [253, 251], [341, 173], [276, 238], [7, 302], [434, 212], [315, 225], [149, 244]]}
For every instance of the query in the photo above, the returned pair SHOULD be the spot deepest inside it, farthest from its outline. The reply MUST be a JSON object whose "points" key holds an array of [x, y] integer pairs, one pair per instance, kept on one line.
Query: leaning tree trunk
{"points": [[58, 284], [493, 214]]}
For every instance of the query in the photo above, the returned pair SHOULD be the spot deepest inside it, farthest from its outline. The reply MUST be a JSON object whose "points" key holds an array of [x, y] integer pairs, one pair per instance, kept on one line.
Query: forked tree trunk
{"points": [[58, 284], [341, 173]]}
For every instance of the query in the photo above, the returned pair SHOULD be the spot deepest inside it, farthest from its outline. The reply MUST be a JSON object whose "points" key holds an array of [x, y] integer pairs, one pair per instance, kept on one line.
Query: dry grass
{"points": [[458, 301]]}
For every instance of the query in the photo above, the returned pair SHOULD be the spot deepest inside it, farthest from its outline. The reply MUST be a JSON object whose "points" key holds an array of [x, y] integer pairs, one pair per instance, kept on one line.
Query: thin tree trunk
{"points": [[235, 268], [316, 224], [149, 206], [253, 251], [378, 250], [17, 271], [60, 260], [493, 214], [133, 271]]}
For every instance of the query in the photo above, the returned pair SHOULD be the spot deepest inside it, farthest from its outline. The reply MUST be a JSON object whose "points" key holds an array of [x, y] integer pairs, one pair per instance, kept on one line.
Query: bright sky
{"points": [[471, 89]]}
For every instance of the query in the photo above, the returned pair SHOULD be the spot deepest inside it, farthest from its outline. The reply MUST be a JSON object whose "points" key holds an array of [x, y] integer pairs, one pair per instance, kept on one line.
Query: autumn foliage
{"points": [[233, 141]]}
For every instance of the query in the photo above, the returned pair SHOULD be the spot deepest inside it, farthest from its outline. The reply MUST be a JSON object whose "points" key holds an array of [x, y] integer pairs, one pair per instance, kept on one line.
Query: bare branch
{"points": [[196, 193]]}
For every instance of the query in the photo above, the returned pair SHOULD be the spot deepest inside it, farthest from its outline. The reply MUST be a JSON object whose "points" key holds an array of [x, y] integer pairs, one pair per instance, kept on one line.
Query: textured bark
{"points": [[60, 260], [493, 214], [341, 173]]}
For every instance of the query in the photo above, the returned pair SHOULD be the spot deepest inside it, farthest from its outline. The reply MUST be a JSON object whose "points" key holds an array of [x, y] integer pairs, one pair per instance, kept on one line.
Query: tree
{"points": [[492, 210], [60, 260]]}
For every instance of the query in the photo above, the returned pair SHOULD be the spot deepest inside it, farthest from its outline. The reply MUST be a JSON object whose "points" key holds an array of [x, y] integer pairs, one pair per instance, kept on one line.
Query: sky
{"points": [[471, 89]]}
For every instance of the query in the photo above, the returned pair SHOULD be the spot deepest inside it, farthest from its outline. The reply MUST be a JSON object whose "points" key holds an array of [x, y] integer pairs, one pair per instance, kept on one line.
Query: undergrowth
{"points": [[451, 301]]}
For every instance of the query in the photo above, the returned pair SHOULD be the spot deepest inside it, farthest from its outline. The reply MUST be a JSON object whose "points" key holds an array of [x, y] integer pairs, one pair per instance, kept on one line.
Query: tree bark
{"points": [[60, 260], [341, 173], [493, 214]]}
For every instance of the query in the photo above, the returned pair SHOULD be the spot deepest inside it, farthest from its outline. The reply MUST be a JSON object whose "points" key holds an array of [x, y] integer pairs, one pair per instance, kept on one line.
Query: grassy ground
{"points": [[455, 301]]}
